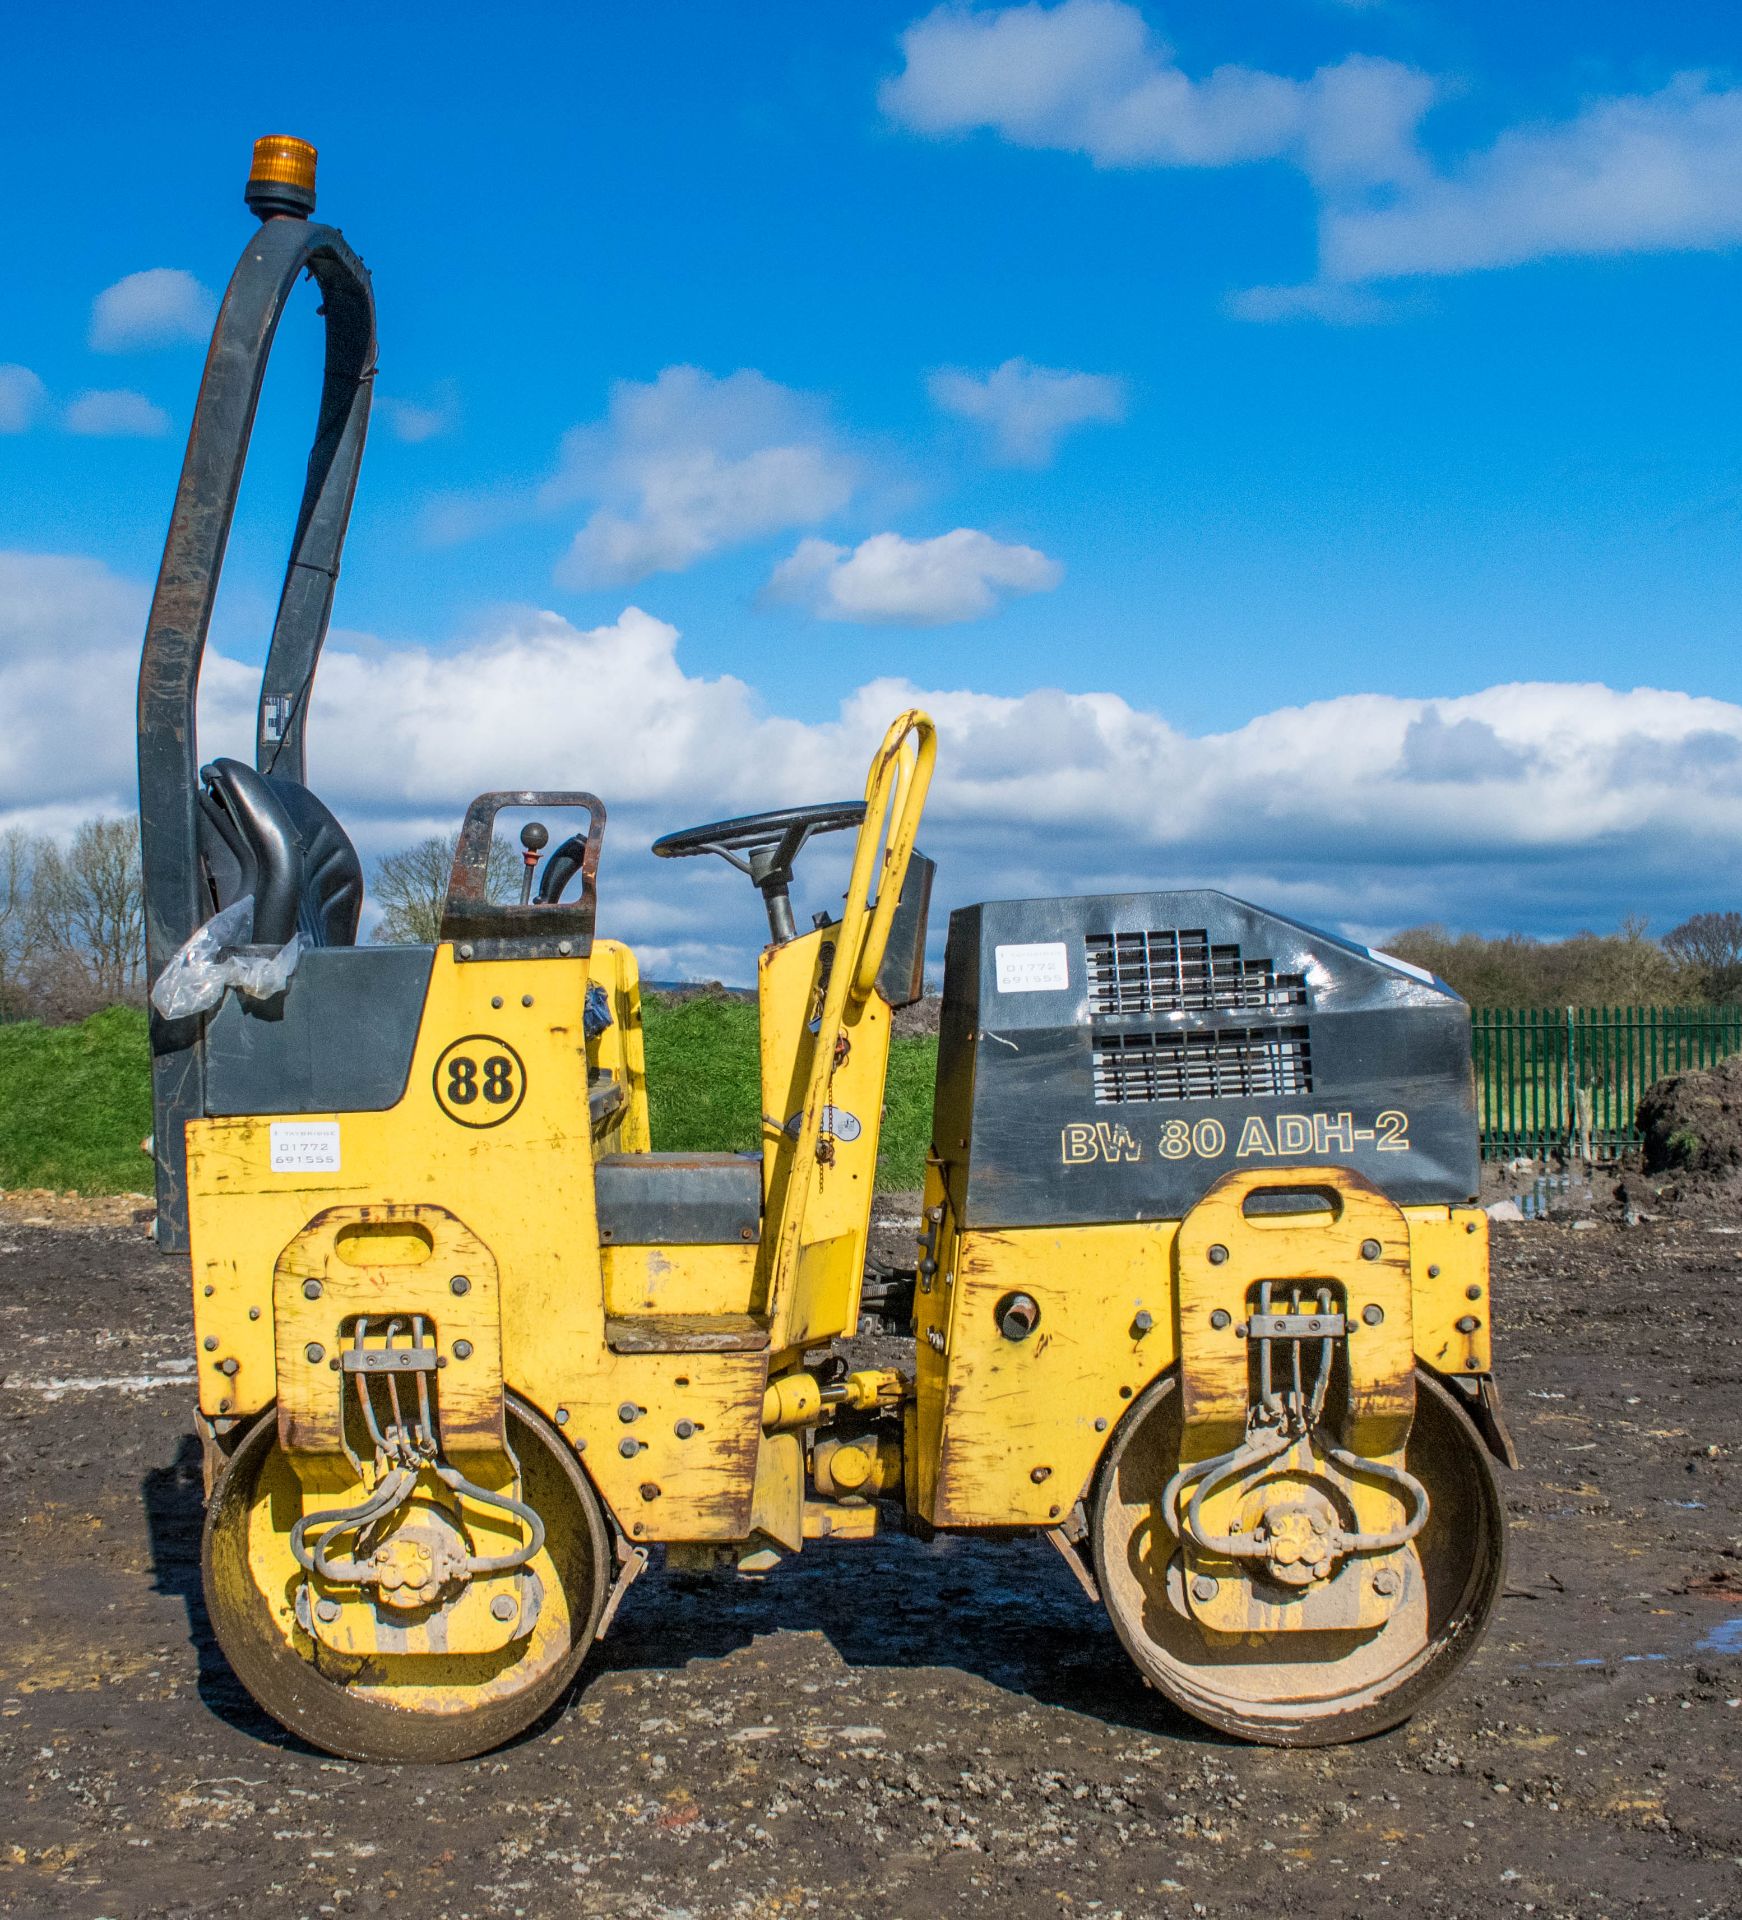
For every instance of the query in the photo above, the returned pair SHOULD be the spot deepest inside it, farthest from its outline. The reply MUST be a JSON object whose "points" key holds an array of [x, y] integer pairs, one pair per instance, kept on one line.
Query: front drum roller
{"points": [[423, 1707], [1300, 1689]]}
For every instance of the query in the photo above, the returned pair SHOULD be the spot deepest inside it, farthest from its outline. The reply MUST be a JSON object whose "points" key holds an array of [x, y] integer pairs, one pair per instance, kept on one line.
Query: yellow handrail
{"points": [[895, 791], [907, 770]]}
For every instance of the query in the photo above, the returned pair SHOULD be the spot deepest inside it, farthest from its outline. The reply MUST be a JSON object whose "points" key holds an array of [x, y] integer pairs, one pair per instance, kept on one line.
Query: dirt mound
{"points": [[679, 993], [1692, 1122], [48, 1207], [921, 1018]]}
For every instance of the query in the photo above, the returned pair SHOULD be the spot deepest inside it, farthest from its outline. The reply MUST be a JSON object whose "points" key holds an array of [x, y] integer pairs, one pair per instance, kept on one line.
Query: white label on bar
{"points": [[305, 1146], [836, 1120], [1037, 968]]}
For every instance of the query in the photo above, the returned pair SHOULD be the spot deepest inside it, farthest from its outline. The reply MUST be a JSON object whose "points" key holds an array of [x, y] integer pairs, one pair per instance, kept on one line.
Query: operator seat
{"points": [[269, 836]]}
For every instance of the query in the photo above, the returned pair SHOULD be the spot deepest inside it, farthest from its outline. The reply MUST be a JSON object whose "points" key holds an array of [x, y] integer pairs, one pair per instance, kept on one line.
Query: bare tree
{"points": [[1624, 968], [410, 886], [1710, 946], [17, 856], [87, 912]]}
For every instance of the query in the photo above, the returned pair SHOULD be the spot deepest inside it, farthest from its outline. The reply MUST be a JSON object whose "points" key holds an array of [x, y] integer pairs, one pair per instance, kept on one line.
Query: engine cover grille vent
{"points": [[1177, 970], [1229, 1063]]}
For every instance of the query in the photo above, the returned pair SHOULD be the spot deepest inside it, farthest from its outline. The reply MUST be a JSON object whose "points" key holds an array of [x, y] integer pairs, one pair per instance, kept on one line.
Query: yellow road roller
{"points": [[1199, 1292]]}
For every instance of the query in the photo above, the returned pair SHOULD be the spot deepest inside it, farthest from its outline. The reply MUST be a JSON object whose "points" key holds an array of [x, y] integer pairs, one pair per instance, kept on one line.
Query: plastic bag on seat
{"points": [[217, 957]]}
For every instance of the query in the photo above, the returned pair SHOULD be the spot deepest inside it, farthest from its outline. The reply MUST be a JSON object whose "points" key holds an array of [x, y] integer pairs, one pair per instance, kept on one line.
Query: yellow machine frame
{"points": [[1002, 1434]]}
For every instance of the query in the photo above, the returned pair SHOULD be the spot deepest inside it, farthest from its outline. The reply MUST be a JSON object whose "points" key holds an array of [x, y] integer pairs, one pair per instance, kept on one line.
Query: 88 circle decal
{"points": [[479, 1080]]}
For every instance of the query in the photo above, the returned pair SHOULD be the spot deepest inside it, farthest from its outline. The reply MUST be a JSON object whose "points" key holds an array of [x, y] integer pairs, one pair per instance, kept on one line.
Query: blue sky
{"points": [[1361, 350]]}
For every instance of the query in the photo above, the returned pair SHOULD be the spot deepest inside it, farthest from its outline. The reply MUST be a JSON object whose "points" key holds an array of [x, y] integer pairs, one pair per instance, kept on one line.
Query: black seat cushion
{"points": [[269, 836]]}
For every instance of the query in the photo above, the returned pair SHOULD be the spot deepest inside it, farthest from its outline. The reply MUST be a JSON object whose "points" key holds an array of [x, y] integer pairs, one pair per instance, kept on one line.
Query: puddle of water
{"points": [[1534, 1205], [176, 1373], [1601, 1660], [1553, 1193], [1726, 1637]]}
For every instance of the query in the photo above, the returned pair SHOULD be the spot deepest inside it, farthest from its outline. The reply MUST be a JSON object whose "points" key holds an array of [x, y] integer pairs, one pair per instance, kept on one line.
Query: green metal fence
{"points": [[1552, 1077]]}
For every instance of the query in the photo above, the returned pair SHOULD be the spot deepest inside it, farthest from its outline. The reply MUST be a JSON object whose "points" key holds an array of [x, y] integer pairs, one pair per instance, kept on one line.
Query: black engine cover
{"points": [[1108, 1058]]}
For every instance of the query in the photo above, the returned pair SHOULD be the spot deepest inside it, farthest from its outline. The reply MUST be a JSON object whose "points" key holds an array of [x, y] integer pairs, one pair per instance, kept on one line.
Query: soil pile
{"points": [[921, 1018], [1692, 1122], [48, 1207]]}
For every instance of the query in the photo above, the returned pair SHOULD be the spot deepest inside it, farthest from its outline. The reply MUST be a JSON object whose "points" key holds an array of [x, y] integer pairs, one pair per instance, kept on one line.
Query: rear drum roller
{"points": [[430, 1707], [1301, 1689]]}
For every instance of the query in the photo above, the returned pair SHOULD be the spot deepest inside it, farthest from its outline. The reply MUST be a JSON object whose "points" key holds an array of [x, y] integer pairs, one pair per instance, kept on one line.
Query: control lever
{"points": [[532, 837]]}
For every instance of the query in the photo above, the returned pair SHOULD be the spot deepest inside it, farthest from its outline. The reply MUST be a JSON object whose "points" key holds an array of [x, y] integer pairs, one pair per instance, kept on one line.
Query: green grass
{"points": [[704, 1093], [75, 1102], [913, 1066]]}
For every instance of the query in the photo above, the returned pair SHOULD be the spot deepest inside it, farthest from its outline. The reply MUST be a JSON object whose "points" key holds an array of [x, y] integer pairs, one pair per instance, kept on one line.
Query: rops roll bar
{"points": [[281, 192]]}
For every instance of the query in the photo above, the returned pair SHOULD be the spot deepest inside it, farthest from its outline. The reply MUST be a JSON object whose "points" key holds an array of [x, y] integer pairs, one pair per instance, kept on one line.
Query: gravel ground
{"points": [[895, 1729]]}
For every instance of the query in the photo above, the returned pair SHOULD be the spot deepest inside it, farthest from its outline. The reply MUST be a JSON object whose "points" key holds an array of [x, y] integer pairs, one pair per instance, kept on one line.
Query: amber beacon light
{"points": [[281, 181]]}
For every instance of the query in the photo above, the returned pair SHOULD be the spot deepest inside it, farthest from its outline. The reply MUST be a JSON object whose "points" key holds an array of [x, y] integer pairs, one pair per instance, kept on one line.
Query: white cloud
{"points": [[890, 581], [1028, 409], [1634, 173], [1337, 306], [22, 396], [116, 413], [1360, 122], [688, 464], [157, 308], [70, 632], [1089, 76], [450, 519], [415, 421], [1639, 173], [1459, 752], [1539, 806]]}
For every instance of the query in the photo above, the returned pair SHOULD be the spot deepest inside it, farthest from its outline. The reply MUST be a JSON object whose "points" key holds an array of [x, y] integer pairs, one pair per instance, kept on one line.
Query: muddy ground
{"points": [[897, 1729]]}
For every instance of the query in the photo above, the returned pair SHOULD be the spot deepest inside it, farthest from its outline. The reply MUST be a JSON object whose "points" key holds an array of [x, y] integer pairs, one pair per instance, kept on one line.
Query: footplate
{"points": [[1292, 1508]]}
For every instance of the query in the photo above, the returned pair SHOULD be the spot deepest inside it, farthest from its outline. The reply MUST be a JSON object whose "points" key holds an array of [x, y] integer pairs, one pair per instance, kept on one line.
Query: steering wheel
{"points": [[764, 845]]}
